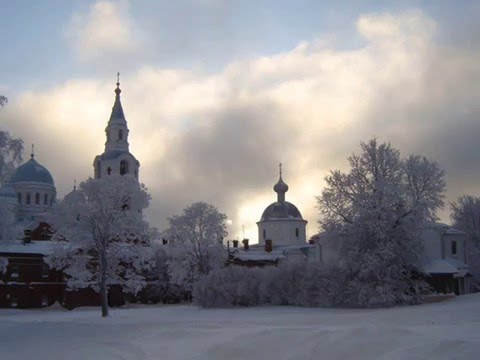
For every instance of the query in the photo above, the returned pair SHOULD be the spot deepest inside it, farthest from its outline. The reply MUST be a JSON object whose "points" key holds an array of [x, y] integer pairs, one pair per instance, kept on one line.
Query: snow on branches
{"points": [[195, 243], [3, 265], [106, 238], [376, 212]]}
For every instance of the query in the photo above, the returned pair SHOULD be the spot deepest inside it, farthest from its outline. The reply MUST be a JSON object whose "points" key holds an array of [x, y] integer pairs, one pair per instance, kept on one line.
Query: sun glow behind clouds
{"points": [[219, 136]]}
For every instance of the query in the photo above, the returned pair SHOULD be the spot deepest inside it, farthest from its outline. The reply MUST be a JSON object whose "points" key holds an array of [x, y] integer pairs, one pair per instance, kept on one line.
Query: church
{"points": [[30, 194], [282, 235]]}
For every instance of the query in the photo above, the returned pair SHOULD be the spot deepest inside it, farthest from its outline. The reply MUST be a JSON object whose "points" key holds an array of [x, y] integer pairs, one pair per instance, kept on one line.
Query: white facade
{"points": [[283, 231]]}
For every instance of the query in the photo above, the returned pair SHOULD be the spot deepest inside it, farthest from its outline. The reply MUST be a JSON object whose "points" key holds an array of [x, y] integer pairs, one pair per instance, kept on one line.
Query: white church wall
{"points": [[282, 232]]}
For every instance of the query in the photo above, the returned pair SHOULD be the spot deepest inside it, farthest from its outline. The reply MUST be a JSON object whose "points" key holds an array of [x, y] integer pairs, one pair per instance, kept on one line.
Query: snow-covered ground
{"points": [[447, 330]]}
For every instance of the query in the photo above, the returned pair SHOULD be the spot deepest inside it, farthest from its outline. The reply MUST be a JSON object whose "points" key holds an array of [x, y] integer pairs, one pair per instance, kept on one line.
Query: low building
{"points": [[445, 263]]}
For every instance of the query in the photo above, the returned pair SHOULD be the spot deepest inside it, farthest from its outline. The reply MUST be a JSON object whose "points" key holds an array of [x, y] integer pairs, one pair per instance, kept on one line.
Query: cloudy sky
{"points": [[217, 92]]}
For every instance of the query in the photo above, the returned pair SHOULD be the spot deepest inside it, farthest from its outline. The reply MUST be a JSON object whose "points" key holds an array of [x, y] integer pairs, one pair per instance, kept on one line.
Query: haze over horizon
{"points": [[216, 93]]}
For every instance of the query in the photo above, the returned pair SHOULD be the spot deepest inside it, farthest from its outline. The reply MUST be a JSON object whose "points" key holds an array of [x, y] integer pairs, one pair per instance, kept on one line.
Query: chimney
{"points": [[268, 245], [235, 244], [245, 244]]}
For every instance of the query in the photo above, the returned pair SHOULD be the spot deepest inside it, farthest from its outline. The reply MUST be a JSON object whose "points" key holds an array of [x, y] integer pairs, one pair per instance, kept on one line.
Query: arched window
{"points": [[45, 199], [264, 234], [120, 134], [19, 196], [29, 199], [37, 199], [297, 232], [123, 167]]}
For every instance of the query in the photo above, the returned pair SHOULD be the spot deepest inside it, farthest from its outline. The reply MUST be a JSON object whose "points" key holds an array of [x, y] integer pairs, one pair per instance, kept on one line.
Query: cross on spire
{"points": [[280, 169], [117, 90], [32, 155]]}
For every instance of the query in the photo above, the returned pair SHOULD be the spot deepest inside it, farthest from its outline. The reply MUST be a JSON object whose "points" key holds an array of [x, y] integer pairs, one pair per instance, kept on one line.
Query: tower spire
{"points": [[32, 154]]}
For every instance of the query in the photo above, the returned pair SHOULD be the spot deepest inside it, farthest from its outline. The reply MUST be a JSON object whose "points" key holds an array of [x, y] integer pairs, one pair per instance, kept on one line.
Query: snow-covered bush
{"points": [[160, 286], [195, 243], [376, 211], [297, 283]]}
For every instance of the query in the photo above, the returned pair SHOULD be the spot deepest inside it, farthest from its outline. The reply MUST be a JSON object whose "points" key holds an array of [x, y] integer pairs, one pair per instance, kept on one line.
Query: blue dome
{"points": [[32, 171]]}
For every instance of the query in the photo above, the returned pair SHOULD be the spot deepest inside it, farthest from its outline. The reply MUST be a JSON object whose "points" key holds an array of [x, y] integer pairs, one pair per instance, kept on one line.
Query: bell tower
{"points": [[116, 158]]}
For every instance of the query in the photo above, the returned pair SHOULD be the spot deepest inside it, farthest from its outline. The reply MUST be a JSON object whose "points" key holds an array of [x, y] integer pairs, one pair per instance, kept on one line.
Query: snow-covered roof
{"points": [[453, 231], [34, 247], [440, 266], [445, 266], [258, 253]]}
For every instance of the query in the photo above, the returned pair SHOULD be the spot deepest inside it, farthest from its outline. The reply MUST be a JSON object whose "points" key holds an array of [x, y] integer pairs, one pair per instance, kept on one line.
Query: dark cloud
{"points": [[223, 163]]}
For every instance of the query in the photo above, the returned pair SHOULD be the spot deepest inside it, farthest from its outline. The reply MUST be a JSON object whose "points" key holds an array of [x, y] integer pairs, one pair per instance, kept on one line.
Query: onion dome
{"points": [[280, 186], [74, 196], [32, 171]]}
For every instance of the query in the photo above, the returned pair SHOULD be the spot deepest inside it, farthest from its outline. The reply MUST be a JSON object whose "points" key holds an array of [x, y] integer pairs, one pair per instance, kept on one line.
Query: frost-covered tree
{"points": [[106, 238], [466, 217], [10, 155], [3, 265], [195, 243], [376, 211], [9, 229]]}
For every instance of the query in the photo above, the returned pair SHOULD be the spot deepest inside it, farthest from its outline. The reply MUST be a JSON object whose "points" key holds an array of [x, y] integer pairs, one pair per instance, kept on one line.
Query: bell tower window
{"points": [[123, 167], [120, 134]]}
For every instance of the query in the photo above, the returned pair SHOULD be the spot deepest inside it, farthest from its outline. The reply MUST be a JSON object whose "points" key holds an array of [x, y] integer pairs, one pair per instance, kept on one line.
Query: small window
{"points": [[123, 167], [120, 134], [454, 247], [264, 234], [28, 236], [297, 232], [19, 196], [15, 272], [29, 199], [44, 300], [45, 199], [45, 271], [37, 199]]}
